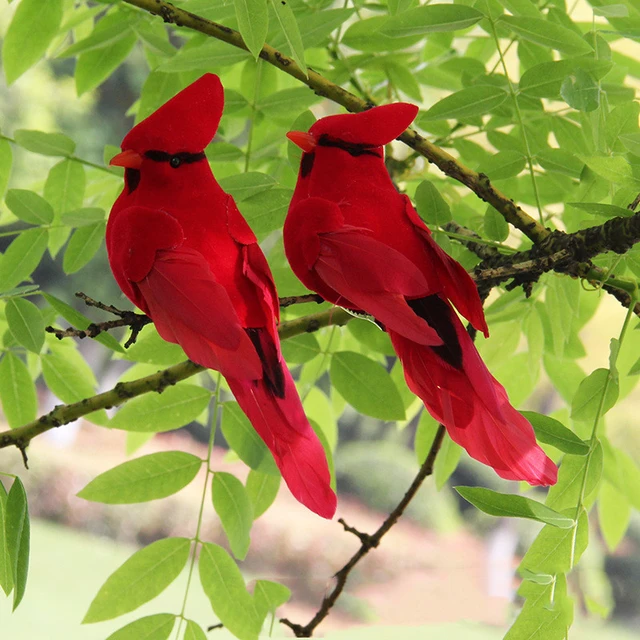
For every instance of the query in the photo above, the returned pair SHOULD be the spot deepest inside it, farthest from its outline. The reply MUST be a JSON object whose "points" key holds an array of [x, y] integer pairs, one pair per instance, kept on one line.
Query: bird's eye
{"points": [[175, 161]]}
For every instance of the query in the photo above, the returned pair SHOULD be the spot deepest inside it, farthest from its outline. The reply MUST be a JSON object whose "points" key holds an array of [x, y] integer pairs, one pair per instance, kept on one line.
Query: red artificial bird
{"points": [[182, 252], [352, 238]]}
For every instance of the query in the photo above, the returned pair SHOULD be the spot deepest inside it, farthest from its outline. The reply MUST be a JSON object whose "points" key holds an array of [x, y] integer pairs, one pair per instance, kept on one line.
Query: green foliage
{"points": [[533, 100]]}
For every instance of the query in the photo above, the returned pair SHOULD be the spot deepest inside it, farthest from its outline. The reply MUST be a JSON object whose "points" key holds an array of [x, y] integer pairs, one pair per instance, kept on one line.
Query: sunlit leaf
{"points": [[366, 386], [146, 574], [34, 25], [231, 502], [149, 477], [513, 506]]}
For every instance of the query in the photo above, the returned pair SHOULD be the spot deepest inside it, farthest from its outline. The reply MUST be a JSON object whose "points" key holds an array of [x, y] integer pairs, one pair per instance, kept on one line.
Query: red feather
{"points": [[351, 237], [182, 252]]}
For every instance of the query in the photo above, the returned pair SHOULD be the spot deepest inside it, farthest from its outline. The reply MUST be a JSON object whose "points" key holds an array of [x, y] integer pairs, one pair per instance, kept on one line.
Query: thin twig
{"points": [[367, 542]]}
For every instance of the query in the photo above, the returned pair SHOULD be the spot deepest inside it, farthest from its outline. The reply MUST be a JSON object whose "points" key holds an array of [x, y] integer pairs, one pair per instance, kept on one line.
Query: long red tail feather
{"points": [[474, 408], [283, 426]]}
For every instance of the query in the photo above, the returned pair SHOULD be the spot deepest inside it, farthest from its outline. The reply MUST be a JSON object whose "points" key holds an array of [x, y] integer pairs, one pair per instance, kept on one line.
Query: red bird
{"points": [[182, 252], [352, 238]]}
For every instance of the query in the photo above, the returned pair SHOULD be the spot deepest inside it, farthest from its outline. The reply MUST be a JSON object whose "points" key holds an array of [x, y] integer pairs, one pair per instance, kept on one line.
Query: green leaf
{"points": [[586, 402], [631, 142], [512, 506], [495, 226], [6, 566], [301, 348], [17, 531], [369, 334], [315, 28], [64, 190], [547, 612], [95, 66], [46, 144], [80, 321], [155, 627], [211, 54], [612, 11], [556, 550], [29, 206], [146, 574], [568, 491], [612, 168], [17, 391], [553, 432], [26, 323], [22, 257], [193, 631], [83, 217], [244, 185], [67, 375], [467, 103], [547, 34], [224, 585], [366, 386], [504, 164], [34, 25], [224, 152], [600, 209], [6, 162], [289, 28], [149, 477], [262, 489], [281, 104], [367, 35], [253, 23], [431, 18], [157, 412], [83, 245], [242, 437], [232, 504], [581, 91], [431, 206], [269, 596], [265, 212], [152, 349], [111, 29], [614, 513], [446, 461]]}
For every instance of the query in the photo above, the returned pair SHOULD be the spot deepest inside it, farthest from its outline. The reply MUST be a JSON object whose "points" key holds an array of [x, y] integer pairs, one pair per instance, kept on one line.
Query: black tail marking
{"points": [[272, 370], [437, 313]]}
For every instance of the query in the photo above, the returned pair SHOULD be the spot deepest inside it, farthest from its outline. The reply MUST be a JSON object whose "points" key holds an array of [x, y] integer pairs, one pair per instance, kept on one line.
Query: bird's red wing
{"points": [[375, 277], [189, 307], [456, 283], [134, 235]]}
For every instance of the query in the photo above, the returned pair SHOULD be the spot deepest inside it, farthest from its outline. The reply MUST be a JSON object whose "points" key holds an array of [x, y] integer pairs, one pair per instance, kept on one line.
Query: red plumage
{"points": [[182, 252], [352, 238]]}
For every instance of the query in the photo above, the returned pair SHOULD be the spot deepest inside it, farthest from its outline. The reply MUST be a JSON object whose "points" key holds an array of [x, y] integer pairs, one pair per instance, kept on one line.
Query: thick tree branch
{"points": [[367, 542], [63, 414]]}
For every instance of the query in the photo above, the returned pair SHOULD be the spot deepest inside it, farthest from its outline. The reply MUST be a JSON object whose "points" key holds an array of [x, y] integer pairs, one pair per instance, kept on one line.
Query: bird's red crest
{"points": [[187, 122], [376, 126]]}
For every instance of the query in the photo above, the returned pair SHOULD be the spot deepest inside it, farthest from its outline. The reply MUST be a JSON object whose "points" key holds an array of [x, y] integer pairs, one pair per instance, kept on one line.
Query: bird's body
{"points": [[352, 238], [181, 251]]}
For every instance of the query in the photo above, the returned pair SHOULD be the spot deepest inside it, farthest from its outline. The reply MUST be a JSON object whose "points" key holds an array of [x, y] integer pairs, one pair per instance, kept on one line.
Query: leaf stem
{"points": [[213, 423]]}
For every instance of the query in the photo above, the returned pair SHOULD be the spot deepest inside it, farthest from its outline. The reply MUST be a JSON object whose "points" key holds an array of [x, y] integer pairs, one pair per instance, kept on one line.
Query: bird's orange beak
{"points": [[306, 141], [129, 159]]}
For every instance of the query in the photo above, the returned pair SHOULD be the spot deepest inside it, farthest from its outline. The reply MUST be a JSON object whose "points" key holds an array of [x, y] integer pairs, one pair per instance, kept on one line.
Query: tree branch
{"points": [[123, 391], [367, 542]]}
